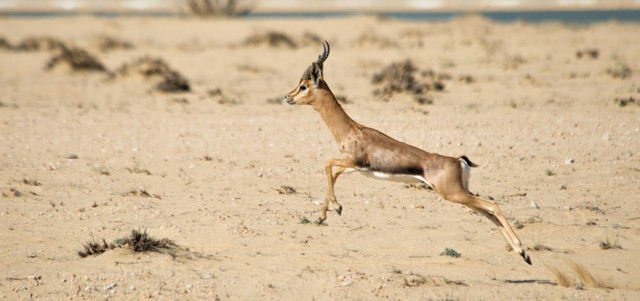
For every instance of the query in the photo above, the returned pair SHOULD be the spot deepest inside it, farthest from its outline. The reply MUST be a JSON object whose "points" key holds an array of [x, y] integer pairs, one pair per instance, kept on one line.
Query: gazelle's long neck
{"points": [[336, 119]]}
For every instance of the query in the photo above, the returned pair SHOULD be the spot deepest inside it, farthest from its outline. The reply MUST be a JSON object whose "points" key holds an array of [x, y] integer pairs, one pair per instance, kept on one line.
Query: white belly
{"points": [[409, 179]]}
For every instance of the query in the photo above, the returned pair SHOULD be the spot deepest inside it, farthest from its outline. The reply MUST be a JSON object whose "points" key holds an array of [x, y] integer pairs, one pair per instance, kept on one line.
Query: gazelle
{"points": [[380, 156]]}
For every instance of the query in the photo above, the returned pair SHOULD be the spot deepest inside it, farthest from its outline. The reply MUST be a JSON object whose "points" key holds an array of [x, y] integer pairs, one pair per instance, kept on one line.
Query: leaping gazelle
{"points": [[380, 156]]}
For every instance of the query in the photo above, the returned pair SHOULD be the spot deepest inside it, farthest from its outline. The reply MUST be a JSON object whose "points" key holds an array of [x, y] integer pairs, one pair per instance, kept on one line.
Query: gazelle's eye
{"points": [[303, 87]]}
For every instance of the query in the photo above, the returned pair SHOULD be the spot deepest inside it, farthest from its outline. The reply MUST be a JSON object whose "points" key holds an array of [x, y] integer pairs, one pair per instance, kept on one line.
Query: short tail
{"points": [[466, 160]]}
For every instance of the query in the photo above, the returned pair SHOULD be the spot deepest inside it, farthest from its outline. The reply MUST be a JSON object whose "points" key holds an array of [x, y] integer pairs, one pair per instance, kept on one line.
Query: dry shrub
{"points": [[587, 53], [399, 77], [40, 43], [145, 66], [270, 39], [152, 68], [4, 44], [286, 190], [173, 82], [413, 279], [624, 101], [107, 43], [78, 60], [94, 247], [138, 242], [142, 242], [620, 71], [218, 8]]}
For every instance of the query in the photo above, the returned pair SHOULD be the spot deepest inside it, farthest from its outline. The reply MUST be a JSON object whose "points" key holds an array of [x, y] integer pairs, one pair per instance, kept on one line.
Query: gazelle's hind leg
{"points": [[492, 212]]}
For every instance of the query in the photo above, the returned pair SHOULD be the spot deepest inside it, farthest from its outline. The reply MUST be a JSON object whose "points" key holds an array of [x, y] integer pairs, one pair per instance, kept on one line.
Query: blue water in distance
{"points": [[534, 16]]}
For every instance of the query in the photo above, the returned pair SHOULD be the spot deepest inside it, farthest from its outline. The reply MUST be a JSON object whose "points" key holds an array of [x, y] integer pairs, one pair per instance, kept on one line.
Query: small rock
{"points": [[346, 283], [569, 161], [63, 280], [209, 276], [110, 286], [533, 204]]}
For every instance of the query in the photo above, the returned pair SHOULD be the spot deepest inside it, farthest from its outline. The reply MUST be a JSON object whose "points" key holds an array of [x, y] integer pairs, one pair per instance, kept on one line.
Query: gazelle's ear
{"points": [[315, 72]]}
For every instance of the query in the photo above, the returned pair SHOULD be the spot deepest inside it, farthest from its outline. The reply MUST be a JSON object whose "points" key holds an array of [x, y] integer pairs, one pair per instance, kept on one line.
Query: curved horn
{"points": [[325, 53]]}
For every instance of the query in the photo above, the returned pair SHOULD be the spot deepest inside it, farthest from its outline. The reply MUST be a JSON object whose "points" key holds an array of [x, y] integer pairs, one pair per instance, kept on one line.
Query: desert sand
{"points": [[229, 173]]}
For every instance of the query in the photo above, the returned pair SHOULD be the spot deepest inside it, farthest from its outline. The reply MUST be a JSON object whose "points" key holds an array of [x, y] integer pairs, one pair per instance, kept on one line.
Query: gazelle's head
{"points": [[311, 81]]}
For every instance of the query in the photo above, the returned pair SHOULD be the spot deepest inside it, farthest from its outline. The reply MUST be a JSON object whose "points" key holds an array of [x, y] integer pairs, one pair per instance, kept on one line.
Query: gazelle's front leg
{"points": [[332, 176]]}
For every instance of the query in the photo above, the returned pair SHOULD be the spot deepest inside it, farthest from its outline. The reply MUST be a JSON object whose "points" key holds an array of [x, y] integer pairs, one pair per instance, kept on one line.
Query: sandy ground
{"points": [[205, 170]]}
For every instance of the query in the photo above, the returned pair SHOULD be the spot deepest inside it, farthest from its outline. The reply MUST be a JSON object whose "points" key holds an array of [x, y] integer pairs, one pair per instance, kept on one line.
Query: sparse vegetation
{"points": [[4, 44], [39, 43], [137, 241], [450, 252], [78, 60], [141, 193], [607, 244], [32, 182], [94, 247], [304, 220], [286, 190], [399, 77], [270, 39], [173, 82], [624, 101], [106, 43], [591, 53], [620, 71], [222, 97], [149, 67], [539, 246], [219, 8]]}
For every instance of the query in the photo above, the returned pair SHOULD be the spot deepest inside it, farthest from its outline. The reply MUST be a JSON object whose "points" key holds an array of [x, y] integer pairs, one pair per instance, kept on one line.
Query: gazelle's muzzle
{"points": [[289, 99]]}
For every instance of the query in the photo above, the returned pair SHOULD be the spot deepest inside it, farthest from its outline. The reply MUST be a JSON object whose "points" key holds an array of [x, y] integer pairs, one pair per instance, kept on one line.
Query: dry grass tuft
{"points": [[78, 59], [270, 39], [106, 43], [39, 43], [142, 242], [138, 242], [218, 8], [171, 81], [94, 247]]}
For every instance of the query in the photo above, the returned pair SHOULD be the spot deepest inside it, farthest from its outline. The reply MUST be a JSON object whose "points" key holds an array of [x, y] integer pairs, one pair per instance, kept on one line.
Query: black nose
{"points": [[288, 99]]}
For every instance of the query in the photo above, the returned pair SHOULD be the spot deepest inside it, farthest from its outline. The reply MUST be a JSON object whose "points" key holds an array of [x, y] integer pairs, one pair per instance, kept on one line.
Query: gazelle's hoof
{"points": [[320, 220], [526, 257], [339, 210]]}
